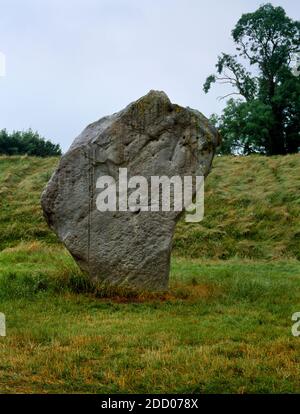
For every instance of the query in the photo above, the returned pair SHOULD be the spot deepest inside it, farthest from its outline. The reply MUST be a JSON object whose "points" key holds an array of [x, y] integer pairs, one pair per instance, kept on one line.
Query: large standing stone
{"points": [[150, 137]]}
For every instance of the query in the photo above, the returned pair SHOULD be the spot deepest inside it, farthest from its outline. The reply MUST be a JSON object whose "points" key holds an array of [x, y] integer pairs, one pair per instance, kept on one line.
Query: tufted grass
{"points": [[252, 208], [224, 326]]}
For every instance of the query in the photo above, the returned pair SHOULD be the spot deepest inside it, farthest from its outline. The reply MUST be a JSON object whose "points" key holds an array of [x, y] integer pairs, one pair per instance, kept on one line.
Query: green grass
{"points": [[21, 182], [224, 326], [252, 209]]}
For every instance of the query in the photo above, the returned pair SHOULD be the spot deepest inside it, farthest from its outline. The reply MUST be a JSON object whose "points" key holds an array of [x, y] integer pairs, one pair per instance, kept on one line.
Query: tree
{"points": [[265, 118], [26, 142]]}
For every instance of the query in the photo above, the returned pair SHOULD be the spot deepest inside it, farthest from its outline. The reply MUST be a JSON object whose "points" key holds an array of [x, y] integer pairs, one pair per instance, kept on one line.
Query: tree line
{"points": [[262, 112], [27, 142]]}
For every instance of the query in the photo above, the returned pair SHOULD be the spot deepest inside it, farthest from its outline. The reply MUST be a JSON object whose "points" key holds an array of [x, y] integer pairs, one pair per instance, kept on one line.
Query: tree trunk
{"points": [[277, 142]]}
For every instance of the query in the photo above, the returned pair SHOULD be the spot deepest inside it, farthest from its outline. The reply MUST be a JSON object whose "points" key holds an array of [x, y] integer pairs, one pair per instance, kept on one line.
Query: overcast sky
{"points": [[70, 62]]}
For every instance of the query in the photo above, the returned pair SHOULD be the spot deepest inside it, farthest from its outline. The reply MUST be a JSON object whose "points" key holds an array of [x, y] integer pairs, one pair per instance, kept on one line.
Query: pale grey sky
{"points": [[70, 62]]}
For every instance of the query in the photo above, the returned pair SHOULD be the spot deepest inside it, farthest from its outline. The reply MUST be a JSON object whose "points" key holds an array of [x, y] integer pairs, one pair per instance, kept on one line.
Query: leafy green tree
{"points": [[265, 117], [26, 142]]}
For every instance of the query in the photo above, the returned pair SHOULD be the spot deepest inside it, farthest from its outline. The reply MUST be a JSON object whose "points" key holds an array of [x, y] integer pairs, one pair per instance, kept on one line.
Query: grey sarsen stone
{"points": [[151, 136]]}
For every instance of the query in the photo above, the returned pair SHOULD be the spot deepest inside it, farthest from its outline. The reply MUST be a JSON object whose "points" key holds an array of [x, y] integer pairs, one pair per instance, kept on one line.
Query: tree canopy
{"points": [[265, 115], [26, 142]]}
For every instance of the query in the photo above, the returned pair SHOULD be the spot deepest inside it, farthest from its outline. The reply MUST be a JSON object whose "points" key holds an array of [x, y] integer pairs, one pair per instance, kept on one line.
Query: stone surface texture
{"points": [[150, 137]]}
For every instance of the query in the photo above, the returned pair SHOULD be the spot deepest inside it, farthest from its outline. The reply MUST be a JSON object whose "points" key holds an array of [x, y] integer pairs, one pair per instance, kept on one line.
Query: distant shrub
{"points": [[27, 142]]}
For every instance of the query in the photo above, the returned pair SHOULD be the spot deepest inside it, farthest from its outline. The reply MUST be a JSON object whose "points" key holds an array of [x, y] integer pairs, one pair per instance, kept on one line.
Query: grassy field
{"points": [[225, 325]]}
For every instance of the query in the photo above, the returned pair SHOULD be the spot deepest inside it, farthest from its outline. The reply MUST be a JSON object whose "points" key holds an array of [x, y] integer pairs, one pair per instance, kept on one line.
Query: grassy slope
{"points": [[225, 326], [252, 208]]}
